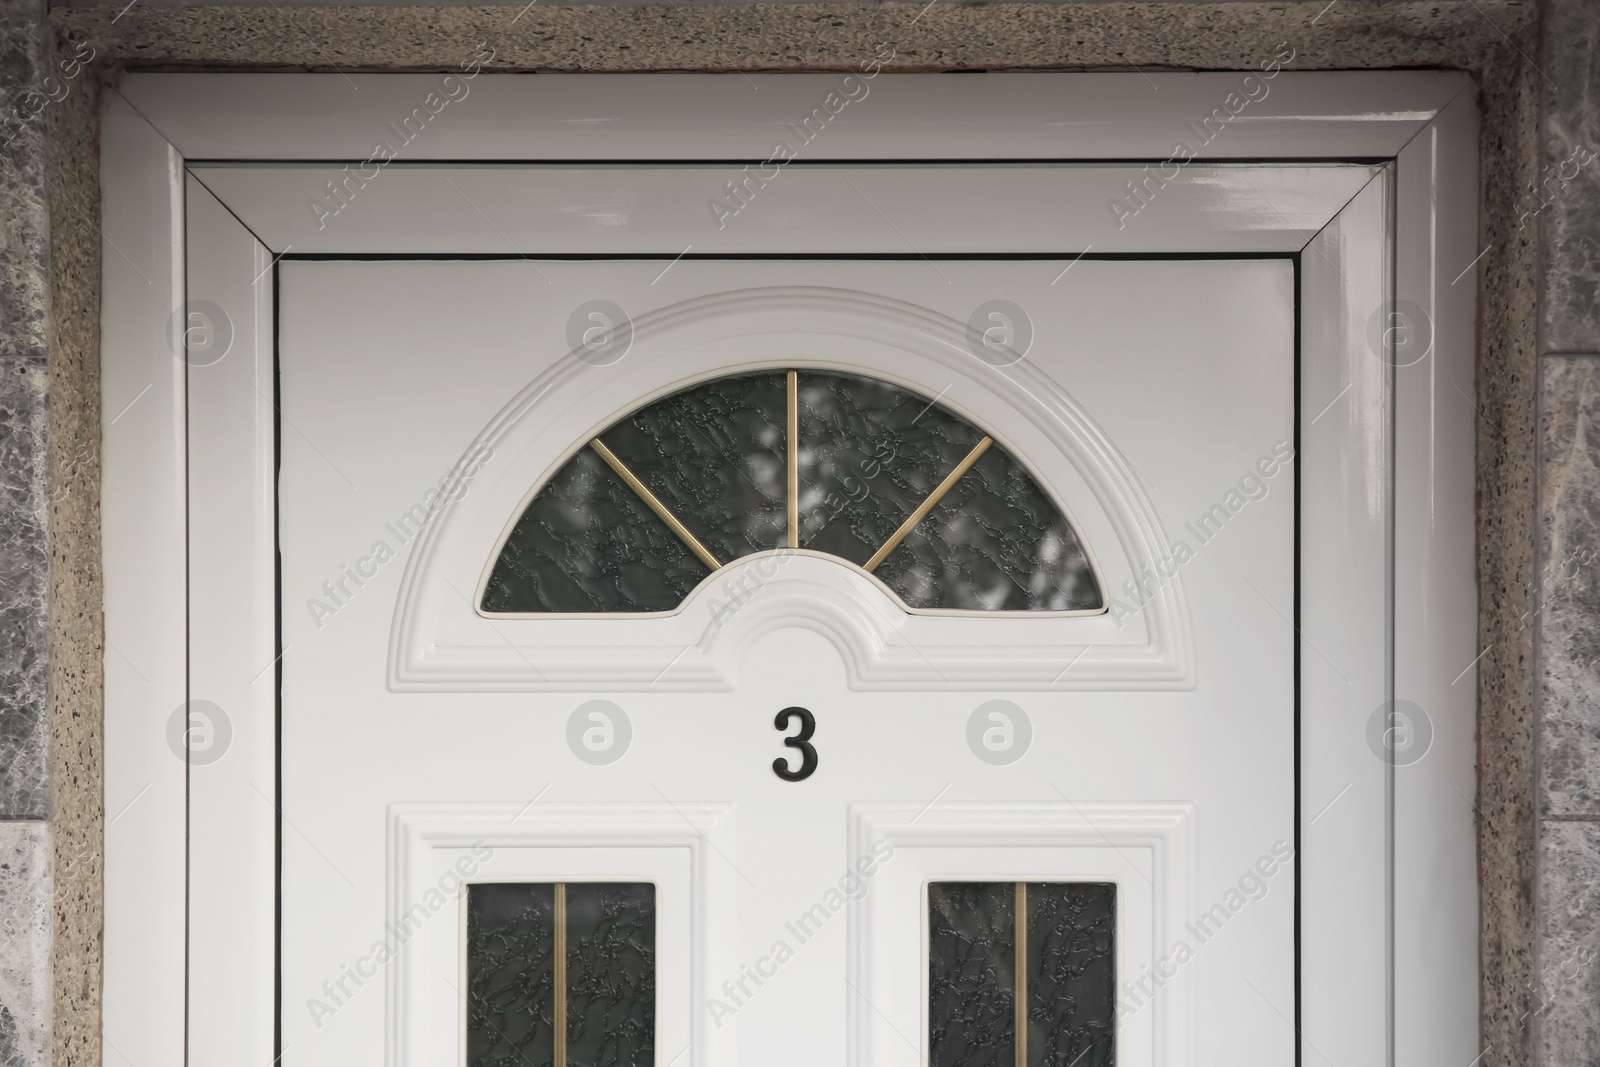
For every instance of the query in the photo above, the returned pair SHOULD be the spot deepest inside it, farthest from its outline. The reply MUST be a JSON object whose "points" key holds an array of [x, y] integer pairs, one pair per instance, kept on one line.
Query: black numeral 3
{"points": [[801, 741]]}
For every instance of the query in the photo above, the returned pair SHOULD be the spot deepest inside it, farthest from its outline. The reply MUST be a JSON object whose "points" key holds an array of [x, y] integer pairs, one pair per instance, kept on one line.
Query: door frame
{"points": [[188, 506]]}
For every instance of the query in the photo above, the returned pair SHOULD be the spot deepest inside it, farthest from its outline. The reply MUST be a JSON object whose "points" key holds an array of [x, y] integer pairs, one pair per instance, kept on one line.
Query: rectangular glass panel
{"points": [[568, 960], [510, 975], [611, 974], [1065, 973], [1072, 981], [971, 974]]}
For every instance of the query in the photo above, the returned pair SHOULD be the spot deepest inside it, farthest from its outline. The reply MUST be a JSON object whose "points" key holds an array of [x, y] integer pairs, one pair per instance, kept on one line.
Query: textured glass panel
{"points": [[870, 452], [715, 455], [510, 975], [611, 975], [1071, 974], [971, 974], [610, 987], [588, 543], [994, 542]]}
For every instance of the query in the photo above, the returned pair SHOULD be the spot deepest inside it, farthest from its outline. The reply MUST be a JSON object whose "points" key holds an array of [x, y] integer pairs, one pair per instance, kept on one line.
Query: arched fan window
{"points": [[836, 463]]}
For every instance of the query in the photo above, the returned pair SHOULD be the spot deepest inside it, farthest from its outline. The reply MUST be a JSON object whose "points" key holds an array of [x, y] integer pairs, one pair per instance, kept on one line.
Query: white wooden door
{"points": [[1138, 736]]}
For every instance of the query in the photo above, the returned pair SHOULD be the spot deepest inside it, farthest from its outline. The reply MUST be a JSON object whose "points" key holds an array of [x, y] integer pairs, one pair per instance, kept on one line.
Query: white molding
{"points": [[1426, 119], [142, 503], [707, 831], [1436, 960], [1345, 416], [1028, 842], [308, 117], [232, 554], [525, 210], [440, 642]]}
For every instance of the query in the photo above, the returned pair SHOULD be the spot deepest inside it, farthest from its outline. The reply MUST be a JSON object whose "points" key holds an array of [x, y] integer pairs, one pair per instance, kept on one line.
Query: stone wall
{"points": [[1566, 608], [25, 800]]}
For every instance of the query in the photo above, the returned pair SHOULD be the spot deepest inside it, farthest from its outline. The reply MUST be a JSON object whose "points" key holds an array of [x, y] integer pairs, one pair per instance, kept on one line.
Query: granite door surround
{"points": [[1493, 39]]}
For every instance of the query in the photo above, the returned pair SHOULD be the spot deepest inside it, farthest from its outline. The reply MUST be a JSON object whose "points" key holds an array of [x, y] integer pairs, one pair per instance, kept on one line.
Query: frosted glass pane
{"points": [[1072, 987], [1067, 980], [606, 1006], [510, 975], [868, 454], [611, 975], [715, 454], [971, 974], [588, 543], [995, 542]]}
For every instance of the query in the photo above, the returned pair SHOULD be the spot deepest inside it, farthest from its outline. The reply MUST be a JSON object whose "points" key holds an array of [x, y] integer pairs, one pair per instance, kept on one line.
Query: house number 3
{"points": [[800, 741]]}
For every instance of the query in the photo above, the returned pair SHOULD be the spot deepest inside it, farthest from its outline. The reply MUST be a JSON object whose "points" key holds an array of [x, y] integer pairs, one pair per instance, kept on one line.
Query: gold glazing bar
{"points": [[927, 505], [560, 1020], [1021, 1006], [661, 510], [794, 459]]}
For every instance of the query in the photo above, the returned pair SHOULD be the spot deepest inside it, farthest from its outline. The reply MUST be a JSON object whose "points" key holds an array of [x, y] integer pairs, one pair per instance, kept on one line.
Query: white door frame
{"points": [[204, 179]]}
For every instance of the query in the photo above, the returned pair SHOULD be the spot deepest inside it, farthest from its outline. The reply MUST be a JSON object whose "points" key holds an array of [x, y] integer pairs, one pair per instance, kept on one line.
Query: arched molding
{"points": [[440, 642]]}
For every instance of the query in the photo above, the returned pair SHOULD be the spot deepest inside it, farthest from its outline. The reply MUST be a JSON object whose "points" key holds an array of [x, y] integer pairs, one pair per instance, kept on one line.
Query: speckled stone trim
{"points": [[76, 618]]}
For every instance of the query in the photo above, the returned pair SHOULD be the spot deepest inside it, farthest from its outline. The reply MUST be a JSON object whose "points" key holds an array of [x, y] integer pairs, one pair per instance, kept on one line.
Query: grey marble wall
{"points": [[1567, 200], [1566, 997], [1565, 1002], [26, 851], [24, 415], [26, 920]]}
